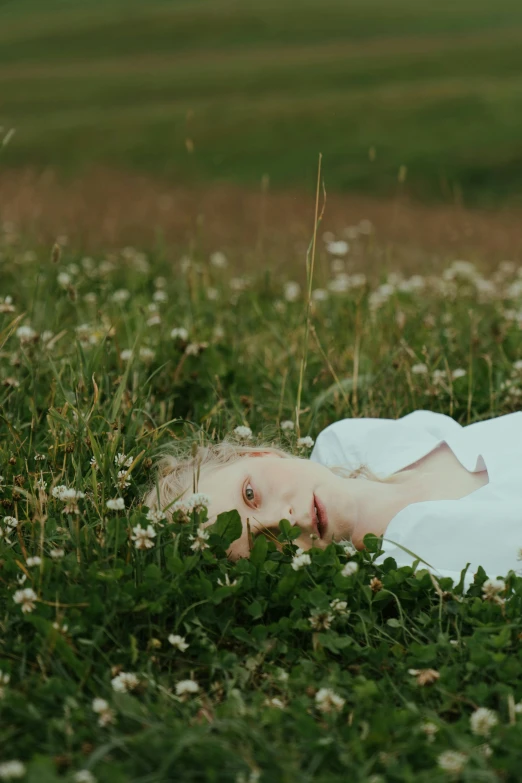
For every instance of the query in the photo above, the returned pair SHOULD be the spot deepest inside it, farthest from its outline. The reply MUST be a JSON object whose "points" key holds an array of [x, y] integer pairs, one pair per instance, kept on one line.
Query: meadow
{"points": [[130, 647], [423, 98]]}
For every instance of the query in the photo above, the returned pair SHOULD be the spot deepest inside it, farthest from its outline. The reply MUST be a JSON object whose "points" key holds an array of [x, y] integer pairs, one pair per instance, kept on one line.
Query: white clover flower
{"points": [[338, 248], [350, 568], [57, 554], [300, 560], [291, 291], [26, 598], [179, 332], [58, 491], [121, 295], [491, 588], [458, 373], [142, 537], [429, 729], [155, 515], [10, 522], [321, 620], [339, 607], [178, 642], [123, 480], [194, 349], [71, 494], [219, 260], [11, 770], [186, 687], [6, 305], [4, 681], [287, 425], [212, 294], [452, 761], [116, 504], [126, 355], [327, 700], [180, 507], [122, 460], [243, 432], [482, 721], [160, 296], [200, 540], [419, 369], [64, 279], [146, 354], [348, 547], [320, 295], [26, 334], [307, 442], [274, 702], [125, 681], [103, 709], [84, 776], [154, 320], [198, 501], [94, 464], [33, 561]]}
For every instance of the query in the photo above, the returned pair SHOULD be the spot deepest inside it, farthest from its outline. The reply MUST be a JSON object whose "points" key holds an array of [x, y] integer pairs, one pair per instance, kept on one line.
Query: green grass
{"points": [[262, 88], [105, 607]]}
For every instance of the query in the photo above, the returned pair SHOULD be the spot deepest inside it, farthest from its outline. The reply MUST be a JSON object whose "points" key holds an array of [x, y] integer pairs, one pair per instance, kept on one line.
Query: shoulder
{"points": [[345, 441]]}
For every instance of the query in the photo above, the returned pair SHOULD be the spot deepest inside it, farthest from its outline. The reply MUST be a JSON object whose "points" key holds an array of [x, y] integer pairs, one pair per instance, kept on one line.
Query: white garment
{"points": [[483, 528]]}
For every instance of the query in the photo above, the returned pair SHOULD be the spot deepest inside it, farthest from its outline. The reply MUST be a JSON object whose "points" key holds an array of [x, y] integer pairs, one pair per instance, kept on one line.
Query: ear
{"points": [[260, 454]]}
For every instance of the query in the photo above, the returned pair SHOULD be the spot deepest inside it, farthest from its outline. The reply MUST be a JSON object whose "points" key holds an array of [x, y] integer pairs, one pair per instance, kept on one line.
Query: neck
{"points": [[376, 503]]}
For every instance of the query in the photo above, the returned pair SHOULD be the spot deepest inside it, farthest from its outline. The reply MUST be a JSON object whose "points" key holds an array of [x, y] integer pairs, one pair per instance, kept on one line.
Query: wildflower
{"points": [[292, 291], [320, 295], [146, 354], [4, 680], [26, 334], [425, 676], [491, 588], [179, 332], [321, 620], [10, 522], [122, 460], [10, 770], [26, 598], [485, 750], [349, 569], [429, 729], [243, 432], [218, 259], [458, 373], [287, 425], [339, 248], [178, 642], [121, 295], [198, 501], [452, 761], [103, 710], [348, 548], [6, 305], [186, 687], [482, 721], [155, 515], [212, 294], [123, 480], [274, 702], [200, 540], [375, 584], [227, 582], [160, 296], [57, 554], [41, 484], [142, 537], [33, 561], [181, 508], [64, 279], [306, 442], [339, 607], [125, 681], [194, 349], [116, 504], [84, 776], [58, 491], [419, 369], [126, 355], [327, 700], [94, 464], [154, 320], [300, 559]]}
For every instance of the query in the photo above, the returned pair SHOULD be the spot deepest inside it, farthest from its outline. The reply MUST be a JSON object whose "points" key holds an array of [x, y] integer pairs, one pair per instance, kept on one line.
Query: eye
{"points": [[249, 493]]}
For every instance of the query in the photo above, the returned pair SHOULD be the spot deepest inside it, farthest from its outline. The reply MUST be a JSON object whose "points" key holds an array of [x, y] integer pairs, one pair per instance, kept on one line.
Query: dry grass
{"points": [[107, 209]]}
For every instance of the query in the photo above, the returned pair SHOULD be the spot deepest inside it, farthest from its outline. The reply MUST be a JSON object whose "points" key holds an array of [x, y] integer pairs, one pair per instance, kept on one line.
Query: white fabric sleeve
{"points": [[437, 424]]}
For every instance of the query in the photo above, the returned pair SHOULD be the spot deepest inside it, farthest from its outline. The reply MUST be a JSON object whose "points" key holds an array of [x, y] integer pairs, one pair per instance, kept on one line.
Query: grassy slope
{"points": [[259, 88]]}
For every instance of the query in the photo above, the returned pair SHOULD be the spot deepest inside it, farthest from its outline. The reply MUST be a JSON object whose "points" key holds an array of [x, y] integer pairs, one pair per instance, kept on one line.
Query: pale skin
{"points": [[266, 488]]}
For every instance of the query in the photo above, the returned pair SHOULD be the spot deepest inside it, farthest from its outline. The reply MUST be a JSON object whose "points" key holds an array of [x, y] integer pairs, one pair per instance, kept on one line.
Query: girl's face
{"points": [[267, 488]]}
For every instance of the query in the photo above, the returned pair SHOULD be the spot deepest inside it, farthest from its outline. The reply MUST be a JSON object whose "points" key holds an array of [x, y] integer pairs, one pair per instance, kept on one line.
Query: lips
{"points": [[320, 519]]}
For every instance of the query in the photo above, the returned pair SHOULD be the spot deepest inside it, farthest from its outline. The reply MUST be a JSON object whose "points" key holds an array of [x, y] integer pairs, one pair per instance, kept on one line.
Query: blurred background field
{"points": [[402, 98]]}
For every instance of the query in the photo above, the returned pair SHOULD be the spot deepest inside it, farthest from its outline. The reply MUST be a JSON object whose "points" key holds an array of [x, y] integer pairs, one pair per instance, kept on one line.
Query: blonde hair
{"points": [[178, 470]]}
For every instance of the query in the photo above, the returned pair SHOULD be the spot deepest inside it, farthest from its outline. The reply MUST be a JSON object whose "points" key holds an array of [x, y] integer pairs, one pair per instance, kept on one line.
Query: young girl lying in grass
{"points": [[450, 494]]}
